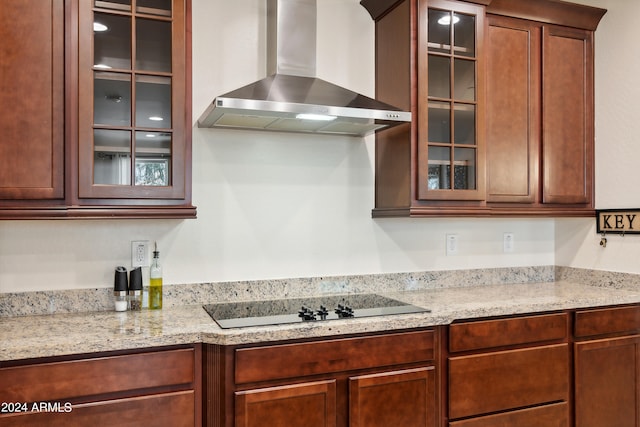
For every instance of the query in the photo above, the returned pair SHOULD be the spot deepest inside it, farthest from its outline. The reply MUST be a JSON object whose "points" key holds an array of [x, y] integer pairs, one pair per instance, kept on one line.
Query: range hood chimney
{"points": [[292, 98]]}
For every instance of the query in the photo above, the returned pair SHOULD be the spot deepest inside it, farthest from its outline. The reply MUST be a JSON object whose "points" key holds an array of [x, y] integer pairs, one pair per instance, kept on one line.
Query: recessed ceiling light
{"points": [[98, 27], [156, 118], [151, 135], [446, 20]]}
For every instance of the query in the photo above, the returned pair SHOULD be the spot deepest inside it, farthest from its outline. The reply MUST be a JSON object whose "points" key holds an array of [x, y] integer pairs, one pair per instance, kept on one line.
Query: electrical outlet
{"points": [[140, 253], [508, 244], [452, 244]]}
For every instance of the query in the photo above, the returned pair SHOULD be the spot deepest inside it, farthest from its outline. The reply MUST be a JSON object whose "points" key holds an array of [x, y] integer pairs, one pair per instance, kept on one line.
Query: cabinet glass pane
{"points": [[153, 102], [112, 157], [113, 4], [154, 7], [439, 168], [153, 158], [439, 122], [439, 76], [439, 31], [464, 124], [153, 45], [464, 169], [464, 35], [464, 76], [112, 99], [111, 41]]}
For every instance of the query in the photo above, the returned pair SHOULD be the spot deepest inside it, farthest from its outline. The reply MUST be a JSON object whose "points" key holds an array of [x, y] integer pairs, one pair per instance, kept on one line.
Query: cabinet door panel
{"points": [[492, 382], [513, 110], [467, 336], [168, 410], [567, 100], [451, 121], [607, 382], [32, 99], [400, 398], [306, 404], [98, 376], [317, 358], [144, 98], [607, 321], [554, 415]]}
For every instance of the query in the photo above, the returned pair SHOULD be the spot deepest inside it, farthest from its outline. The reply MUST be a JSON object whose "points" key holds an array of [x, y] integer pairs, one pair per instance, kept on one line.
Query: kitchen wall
{"points": [[617, 127], [283, 205]]}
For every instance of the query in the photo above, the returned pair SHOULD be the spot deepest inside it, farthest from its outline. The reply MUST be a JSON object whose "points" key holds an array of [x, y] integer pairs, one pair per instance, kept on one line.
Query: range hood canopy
{"points": [[292, 98]]}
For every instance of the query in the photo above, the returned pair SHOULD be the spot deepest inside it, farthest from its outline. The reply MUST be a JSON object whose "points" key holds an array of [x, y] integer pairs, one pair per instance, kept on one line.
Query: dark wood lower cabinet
{"points": [[306, 404], [608, 382], [163, 410], [399, 398], [510, 372], [607, 367], [159, 387], [363, 381], [505, 380], [553, 415]]}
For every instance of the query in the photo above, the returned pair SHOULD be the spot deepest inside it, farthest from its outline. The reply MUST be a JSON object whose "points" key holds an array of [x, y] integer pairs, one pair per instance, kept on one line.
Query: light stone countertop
{"points": [[26, 337]]}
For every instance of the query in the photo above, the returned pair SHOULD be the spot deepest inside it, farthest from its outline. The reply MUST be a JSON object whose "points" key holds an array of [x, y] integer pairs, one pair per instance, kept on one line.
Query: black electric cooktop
{"points": [[315, 309]]}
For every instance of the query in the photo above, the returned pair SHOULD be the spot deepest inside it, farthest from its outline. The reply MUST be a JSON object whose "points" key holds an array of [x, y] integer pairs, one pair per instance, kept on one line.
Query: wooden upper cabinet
{"points": [[95, 100], [567, 114], [539, 114], [513, 113], [31, 100], [133, 102], [450, 101], [501, 93]]}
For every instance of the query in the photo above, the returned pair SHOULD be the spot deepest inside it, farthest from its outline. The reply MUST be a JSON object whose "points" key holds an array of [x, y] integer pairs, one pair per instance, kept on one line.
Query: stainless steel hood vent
{"points": [[292, 98]]}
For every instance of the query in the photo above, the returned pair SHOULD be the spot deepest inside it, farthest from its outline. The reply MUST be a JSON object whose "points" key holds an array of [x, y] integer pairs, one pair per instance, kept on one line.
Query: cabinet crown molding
{"points": [[555, 12]]}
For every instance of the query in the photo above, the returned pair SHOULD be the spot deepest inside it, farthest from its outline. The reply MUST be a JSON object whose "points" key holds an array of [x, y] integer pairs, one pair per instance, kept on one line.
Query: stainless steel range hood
{"points": [[292, 98]]}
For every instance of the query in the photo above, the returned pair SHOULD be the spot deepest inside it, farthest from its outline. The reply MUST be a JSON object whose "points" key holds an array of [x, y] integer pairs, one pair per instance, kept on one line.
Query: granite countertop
{"points": [[25, 337]]}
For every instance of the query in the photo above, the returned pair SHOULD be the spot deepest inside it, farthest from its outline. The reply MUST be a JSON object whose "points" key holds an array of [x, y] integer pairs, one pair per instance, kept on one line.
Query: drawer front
{"points": [[90, 377], [607, 321], [504, 332], [294, 360], [166, 410], [555, 415], [499, 381]]}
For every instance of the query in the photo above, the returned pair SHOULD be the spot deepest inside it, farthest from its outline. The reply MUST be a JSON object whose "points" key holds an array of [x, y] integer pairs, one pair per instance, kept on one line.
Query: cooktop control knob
{"points": [[306, 314], [344, 311], [322, 312]]}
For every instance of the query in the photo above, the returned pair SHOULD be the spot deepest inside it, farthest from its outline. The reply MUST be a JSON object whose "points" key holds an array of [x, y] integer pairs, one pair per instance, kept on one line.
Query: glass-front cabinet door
{"points": [[131, 126], [450, 143]]}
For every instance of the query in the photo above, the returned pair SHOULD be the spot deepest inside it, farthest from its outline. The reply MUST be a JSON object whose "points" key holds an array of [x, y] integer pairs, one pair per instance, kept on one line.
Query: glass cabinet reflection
{"points": [[132, 92]]}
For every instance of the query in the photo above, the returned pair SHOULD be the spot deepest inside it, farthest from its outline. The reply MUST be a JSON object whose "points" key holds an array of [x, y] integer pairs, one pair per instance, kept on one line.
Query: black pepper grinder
{"points": [[135, 289], [120, 289]]}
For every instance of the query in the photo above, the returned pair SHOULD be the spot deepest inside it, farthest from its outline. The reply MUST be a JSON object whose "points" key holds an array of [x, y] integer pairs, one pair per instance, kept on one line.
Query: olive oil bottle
{"points": [[155, 281]]}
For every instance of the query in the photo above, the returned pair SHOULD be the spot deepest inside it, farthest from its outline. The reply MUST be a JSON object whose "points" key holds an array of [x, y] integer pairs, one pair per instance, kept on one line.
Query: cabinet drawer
{"points": [[89, 377], [312, 358], [555, 415], [499, 381], [169, 409], [607, 321], [503, 332]]}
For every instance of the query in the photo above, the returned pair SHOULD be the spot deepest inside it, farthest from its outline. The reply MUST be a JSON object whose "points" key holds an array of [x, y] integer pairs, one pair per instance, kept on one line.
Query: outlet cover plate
{"points": [[140, 253]]}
